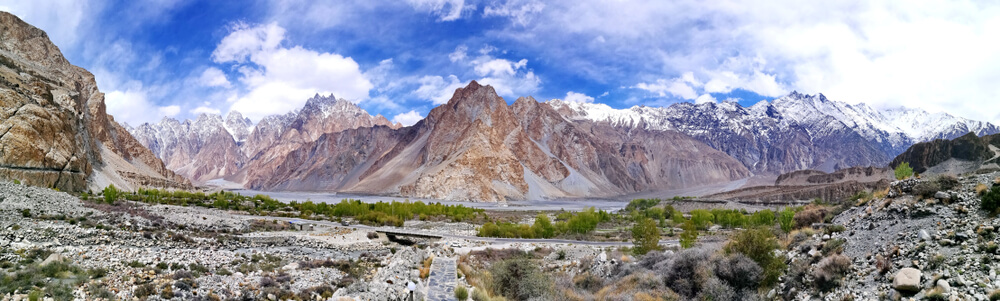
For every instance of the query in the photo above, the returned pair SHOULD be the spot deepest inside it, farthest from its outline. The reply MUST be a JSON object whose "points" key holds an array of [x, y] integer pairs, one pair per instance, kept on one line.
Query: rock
{"points": [[603, 256], [943, 285], [907, 280], [923, 235], [941, 195], [54, 257]]}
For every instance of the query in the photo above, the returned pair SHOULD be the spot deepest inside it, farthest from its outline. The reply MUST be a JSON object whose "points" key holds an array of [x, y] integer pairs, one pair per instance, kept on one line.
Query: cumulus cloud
{"points": [[939, 55], [447, 10], [280, 79], [408, 118], [459, 54], [213, 77], [578, 97], [133, 107], [437, 89]]}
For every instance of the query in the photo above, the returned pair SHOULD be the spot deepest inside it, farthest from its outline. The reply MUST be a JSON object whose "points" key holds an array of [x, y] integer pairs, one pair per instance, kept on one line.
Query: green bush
{"points": [[26, 213], [543, 227], [759, 244], [991, 200], [645, 236], [110, 194], [461, 293], [903, 171]]}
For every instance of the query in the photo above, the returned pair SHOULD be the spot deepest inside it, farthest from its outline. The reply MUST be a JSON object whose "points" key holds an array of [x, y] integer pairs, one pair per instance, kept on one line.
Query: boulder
{"points": [[941, 195], [943, 286], [54, 257], [907, 280], [923, 235]]}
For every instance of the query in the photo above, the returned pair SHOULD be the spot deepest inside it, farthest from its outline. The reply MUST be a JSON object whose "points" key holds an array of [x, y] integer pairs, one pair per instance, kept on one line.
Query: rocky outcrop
{"points": [[199, 150], [54, 129], [476, 147], [923, 156], [805, 185]]}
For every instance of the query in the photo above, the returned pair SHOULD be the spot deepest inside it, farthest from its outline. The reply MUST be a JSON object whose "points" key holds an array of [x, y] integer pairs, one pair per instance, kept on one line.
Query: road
{"points": [[491, 240]]}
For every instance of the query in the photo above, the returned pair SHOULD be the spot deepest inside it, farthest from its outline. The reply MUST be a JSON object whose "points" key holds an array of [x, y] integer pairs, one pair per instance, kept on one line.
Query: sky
{"points": [[180, 58]]}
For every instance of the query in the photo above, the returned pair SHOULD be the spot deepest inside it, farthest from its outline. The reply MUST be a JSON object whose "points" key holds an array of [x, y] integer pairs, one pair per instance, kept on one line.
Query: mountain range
{"points": [[479, 147]]}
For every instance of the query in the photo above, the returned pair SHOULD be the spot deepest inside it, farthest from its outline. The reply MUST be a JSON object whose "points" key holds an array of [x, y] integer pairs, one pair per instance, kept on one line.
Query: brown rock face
{"points": [[476, 147], [970, 147], [54, 130]]}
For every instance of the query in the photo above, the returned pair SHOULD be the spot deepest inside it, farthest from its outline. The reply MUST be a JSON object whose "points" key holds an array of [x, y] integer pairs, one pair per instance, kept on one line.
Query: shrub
{"points": [[519, 279], [689, 236], [26, 213], [759, 244], [995, 295], [136, 264], [461, 293], [936, 294], [588, 282], [645, 236], [830, 270], [715, 289], [936, 261], [543, 226], [991, 200], [684, 275], [834, 245], [144, 291], [903, 171], [739, 271], [806, 218], [480, 295], [981, 189], [110, 194]]}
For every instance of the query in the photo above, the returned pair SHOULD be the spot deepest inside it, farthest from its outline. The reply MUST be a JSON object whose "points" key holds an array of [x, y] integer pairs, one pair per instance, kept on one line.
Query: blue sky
{"points": [[179, 58]]}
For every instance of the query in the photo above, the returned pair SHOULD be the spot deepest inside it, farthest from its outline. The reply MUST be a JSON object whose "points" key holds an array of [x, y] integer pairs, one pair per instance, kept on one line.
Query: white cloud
{"points": [[60, 19], [459, 54], [578, 97], [408, 118], [206, 110], [437, 89], [132, 106], [676, 87], [938, 55], [447, 10], [508, 78], [519, 12], [704, 98], [213, 77], [280, 79]]}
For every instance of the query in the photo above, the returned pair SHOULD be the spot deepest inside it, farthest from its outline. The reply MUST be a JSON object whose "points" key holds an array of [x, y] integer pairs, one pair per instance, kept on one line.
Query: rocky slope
{"points": [[960, 155], [791, 133], [476, 147], [54, 128]]}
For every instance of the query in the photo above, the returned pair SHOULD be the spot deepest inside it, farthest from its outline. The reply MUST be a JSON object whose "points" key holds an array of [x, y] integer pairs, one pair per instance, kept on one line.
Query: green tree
{"points": [[645, 236], [787, 219], [903, 171], [110, 194], [689, 236], [543, 226]]}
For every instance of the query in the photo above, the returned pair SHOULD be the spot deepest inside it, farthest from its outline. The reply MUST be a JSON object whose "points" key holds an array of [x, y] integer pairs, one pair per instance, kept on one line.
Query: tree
{"points": [[110, 194], [903, 171], [787, 219], [543, 226], [689, 236], [645, 236]]}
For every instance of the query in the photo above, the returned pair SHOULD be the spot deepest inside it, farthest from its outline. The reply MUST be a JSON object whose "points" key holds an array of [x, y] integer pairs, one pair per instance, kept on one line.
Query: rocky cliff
{"points": [[54, 128], [964, 154]]}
